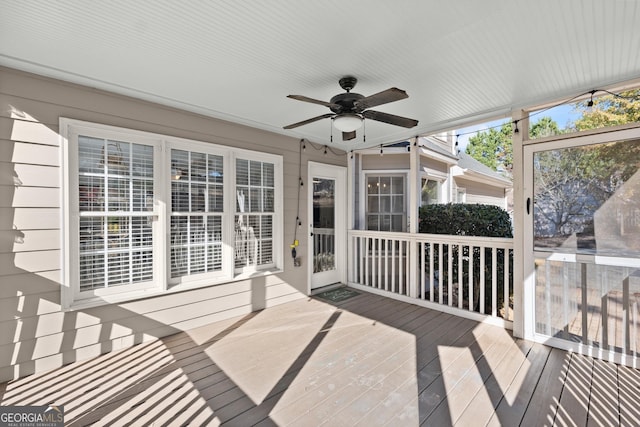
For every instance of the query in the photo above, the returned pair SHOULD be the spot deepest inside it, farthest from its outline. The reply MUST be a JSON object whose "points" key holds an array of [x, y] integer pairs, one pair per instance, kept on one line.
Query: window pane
{"points": [[397, 185], [216, 199], [117, 158], [268, 175], [268, 200], [197, 197], [372, 222], [142, 161], [385, 185], [179, 165], [115, 180], [242, 172], [198, 166], [397, 204], [373, 185], [385, 204], [91, 158], [215, 169], [179, 196], [396, 223], [255, 173], [372, 204]]}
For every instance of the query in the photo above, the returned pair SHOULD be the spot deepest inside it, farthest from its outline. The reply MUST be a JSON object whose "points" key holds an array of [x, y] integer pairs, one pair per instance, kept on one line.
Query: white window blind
{"points": [[255, 189], [197, 206], [115, 188], [145, 213]]}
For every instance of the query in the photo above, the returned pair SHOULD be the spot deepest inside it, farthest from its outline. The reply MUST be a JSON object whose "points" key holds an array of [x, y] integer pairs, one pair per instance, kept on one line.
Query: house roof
{"points": [[460, 62], [472, 169]]}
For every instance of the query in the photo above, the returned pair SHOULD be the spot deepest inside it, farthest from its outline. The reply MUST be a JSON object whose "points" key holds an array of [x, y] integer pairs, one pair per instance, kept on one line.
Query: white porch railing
{"points": [[463, 275]]}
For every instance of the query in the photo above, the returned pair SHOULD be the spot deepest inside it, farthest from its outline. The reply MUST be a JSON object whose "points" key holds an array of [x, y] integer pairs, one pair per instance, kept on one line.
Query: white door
{"points": [[582, 244], [327, 224]]}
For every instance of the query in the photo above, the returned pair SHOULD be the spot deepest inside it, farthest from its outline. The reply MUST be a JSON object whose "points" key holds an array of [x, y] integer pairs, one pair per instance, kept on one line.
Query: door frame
{"points": [[529, 255], [339, 173]]}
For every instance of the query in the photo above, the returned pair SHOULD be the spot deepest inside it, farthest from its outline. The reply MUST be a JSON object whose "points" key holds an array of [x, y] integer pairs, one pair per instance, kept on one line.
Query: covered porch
{"points": [[366, 360]]}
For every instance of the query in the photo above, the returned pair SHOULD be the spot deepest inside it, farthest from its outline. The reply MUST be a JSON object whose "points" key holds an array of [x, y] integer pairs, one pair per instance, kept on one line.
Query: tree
{"points": [[609, 110], [544, 127], [493, 148]]}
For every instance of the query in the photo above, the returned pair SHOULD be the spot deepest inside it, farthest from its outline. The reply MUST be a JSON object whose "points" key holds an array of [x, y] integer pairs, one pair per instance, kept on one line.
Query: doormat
{"points": [[338, 295]]}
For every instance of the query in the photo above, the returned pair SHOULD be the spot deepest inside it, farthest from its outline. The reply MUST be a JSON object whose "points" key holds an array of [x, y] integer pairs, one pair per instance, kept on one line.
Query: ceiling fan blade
{"points": [[311, 120], [390, 118], [348, 136], [384, 97], [313, 101]]}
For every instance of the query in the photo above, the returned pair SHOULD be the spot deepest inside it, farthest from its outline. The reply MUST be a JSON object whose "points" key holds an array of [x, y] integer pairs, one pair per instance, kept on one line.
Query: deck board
{"points": [[364, 361]]}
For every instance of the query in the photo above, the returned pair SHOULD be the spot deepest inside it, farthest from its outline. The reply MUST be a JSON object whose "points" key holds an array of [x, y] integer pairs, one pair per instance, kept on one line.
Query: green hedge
{"points": [[466, 220]]}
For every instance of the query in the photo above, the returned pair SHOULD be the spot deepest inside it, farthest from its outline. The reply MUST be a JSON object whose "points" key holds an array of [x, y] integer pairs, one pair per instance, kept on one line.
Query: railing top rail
{"points": [[437, 238]]}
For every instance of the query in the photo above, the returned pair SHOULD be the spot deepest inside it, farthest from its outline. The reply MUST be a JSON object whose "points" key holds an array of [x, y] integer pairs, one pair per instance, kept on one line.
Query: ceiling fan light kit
{"points": [[350, 109], [347, 122]]}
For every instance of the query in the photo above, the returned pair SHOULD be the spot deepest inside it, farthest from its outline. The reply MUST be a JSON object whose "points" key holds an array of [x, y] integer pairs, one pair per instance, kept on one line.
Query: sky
{"points": [[562, 114]]}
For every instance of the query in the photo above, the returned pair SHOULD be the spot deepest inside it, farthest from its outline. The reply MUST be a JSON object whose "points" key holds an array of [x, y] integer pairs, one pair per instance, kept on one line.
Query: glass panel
{"points": [[115, 180], [372, 223], [385, 204], [372, 204], [397, 185], [429, 191], [373, 185], [585, 199], [585, 203], [198, 166], [254, 194], [323, 225], [397, 204], [385, 185], [197, 197]]}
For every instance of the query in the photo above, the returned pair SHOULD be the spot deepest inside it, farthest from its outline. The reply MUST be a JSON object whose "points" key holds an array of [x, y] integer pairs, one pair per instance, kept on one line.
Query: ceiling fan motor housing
{"points": [[346, 101]]}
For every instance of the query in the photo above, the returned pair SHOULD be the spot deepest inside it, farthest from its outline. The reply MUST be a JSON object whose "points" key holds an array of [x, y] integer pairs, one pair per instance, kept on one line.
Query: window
{"points": [[461, 195], [197, 208], [146, 213], [115, 198], [430, 193], [254, 213], [386, 209]]}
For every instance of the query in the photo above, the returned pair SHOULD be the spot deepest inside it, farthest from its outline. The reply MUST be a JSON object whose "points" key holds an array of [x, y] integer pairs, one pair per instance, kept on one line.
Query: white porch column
{"points": [[414, 197], [350, 212], [523, 304]]}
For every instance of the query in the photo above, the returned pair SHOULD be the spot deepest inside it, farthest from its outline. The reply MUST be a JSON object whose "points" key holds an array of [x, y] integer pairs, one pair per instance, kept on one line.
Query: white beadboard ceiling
{"points": [[460, 61]]}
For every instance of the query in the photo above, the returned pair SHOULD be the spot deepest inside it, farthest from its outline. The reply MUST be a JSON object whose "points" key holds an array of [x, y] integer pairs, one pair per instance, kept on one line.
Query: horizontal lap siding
{"points": [[35, 334]]}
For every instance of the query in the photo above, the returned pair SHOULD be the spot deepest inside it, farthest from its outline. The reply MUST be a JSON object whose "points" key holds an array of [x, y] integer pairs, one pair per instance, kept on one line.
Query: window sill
{"points": [[132, 296]]}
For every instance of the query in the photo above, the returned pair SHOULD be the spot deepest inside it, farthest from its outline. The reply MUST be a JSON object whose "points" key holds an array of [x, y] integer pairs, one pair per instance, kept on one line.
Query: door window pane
{"points": [[323, 225]]}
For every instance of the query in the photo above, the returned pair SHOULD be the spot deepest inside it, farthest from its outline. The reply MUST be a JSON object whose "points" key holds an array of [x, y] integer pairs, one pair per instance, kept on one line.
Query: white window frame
{"points": [[364, 176], [71, 297]]}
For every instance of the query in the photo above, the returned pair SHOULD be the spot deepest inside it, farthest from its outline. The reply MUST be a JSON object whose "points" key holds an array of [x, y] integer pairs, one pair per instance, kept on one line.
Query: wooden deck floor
{"points": [[366, 361]]}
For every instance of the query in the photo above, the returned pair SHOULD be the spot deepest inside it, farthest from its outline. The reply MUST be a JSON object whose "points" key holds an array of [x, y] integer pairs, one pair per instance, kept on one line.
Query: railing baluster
{"points": [[505, 284], [440, 287], [494, 281], [449, 274], [471, 273], [400, 266], [460, 277], [482, 281], [431, 256]]}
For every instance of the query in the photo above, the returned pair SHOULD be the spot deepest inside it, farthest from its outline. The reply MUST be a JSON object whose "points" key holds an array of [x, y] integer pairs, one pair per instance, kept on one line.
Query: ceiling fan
{"points": [[350, 109]]}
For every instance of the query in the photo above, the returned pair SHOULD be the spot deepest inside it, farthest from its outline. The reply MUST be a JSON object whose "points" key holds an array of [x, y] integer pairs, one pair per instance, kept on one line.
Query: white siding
{"points": [[482, 193], [35, 334]]}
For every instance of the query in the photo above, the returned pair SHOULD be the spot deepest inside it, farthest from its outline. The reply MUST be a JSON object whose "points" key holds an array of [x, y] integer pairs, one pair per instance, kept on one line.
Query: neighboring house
{"points": [[445, 177]]}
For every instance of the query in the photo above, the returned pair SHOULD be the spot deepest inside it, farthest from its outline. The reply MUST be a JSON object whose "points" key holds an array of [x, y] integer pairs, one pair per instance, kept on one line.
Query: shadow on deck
{"points": [[367, 360]]}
